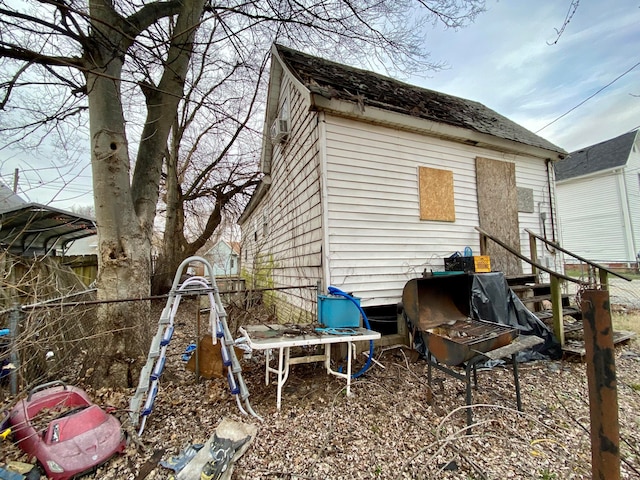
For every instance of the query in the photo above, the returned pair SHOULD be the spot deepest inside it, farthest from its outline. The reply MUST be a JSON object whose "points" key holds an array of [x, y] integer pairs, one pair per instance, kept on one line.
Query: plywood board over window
{"points": [[498, 211], [436, 194]]}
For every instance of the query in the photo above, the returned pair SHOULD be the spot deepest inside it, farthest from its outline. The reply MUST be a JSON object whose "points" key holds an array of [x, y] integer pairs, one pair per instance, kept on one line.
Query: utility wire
{"points": [[589, 97]]}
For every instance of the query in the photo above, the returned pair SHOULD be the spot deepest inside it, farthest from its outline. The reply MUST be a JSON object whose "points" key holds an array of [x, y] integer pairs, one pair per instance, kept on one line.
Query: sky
{"points": [[511, 59]]}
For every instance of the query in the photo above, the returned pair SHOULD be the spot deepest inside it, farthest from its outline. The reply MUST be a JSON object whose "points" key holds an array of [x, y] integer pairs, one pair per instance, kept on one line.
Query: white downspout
{"points": [[324, 202]]}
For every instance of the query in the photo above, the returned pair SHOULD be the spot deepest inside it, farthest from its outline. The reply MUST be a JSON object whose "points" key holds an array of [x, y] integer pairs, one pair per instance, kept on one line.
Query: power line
{"points": [[589, 97]]}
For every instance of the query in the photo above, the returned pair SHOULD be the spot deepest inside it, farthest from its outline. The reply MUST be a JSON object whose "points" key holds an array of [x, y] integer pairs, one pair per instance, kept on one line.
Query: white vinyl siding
{"points": [[632, 179], [532, 173], [377, 241], [592, 220], [287, 251]]}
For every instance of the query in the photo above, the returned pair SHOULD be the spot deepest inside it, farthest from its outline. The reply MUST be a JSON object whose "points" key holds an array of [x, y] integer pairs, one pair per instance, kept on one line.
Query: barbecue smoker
{"points": [[440, 308]]}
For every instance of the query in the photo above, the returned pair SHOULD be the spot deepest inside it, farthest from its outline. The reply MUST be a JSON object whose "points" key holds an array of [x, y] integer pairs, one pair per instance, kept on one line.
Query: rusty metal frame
{"points": [[471, 367]]}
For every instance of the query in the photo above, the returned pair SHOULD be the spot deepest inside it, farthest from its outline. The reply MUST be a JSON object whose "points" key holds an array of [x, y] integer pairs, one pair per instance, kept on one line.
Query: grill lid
{"points": [[432, 301]]}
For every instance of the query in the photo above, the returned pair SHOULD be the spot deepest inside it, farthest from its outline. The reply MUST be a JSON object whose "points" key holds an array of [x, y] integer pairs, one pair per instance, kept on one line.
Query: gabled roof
{"points": [[336, 81], [602, 156], [8, 199], [234, 247]]}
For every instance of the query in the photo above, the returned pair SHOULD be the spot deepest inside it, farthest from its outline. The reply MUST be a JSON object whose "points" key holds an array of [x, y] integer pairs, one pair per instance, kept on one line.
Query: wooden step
{"points": [[530, 286], [576, 347], [520, 279], [539, 298], [570, 311]]}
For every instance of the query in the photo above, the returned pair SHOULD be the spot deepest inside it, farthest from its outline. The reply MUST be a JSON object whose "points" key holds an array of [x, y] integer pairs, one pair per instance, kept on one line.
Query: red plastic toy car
{"points": [[64, 430]]}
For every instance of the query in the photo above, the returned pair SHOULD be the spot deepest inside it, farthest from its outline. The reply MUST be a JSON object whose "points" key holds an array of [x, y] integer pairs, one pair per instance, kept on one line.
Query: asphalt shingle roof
{"points": [[601, 156], [334, 80]]}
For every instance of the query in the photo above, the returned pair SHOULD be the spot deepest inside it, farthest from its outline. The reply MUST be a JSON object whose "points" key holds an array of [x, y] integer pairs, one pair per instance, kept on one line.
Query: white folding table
{"points": [[282, 338]]}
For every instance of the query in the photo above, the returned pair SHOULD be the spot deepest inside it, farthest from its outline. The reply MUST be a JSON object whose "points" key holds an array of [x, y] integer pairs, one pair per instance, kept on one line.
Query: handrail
{"points": [[576, 256], [529, 261]]}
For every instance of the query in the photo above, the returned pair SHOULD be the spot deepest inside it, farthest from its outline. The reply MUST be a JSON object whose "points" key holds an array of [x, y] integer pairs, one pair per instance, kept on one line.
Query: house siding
{"points": [[376, 240], [283, 236], [632, 181], [592, 220]]}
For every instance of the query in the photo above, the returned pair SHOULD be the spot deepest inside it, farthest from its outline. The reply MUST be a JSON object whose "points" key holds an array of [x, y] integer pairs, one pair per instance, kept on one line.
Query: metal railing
{"points": [[599, 273]]}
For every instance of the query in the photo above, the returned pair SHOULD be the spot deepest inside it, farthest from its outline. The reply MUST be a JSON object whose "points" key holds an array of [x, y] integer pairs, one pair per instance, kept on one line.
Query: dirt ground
{"points": [[386, 428]]}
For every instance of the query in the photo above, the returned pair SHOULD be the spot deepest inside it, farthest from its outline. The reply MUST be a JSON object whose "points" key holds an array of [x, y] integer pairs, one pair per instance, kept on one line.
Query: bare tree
{"points": [[128, 62], [211, 158]]}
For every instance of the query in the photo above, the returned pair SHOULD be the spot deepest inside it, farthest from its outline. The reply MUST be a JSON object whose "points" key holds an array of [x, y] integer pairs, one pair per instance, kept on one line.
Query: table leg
{"points": [[348, 368], [280, 373], [267, 356], [327, 357]]}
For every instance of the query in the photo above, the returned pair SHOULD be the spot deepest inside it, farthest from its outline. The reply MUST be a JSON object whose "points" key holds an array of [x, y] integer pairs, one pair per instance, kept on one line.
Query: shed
{"points": [[369, 181], [598, 190]]}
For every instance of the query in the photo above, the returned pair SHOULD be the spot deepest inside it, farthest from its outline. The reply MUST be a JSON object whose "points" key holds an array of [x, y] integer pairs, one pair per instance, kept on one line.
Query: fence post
{"points": [[603, 392], [14, 325]]}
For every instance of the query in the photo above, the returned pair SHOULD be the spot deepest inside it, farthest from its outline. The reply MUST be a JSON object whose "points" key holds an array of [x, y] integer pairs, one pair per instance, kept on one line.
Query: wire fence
{"points": [[52, 338]]}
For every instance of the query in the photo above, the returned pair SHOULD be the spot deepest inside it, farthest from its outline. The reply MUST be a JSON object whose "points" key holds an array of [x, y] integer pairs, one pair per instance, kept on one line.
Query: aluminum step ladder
{"points": [[148, 383]]}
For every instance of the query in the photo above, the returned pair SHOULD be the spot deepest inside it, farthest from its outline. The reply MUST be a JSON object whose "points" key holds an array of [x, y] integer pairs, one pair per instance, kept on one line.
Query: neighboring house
{"points": [[224, 258], [598, 191], [368, 181]]}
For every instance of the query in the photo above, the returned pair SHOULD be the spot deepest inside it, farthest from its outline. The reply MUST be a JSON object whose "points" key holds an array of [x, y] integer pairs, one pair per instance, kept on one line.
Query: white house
{"points": [[598, 191], [368, 181], [224, 258]]}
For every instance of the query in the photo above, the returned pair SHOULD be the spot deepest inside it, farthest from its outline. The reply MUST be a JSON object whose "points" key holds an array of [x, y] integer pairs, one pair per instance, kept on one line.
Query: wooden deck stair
{"points": [[566, 321], [533, 295]]}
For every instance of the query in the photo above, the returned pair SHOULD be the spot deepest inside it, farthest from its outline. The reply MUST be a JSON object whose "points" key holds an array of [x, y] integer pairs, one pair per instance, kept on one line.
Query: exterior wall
{"points": [[592, 219], [282, 238], [632, 182], [223, 260], [544, 220], [376, 240]]}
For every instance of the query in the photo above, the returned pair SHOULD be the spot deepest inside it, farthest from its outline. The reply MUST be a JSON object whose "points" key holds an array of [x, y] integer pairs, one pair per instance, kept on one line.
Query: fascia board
{"points": [[599, 173], [380, 116]]}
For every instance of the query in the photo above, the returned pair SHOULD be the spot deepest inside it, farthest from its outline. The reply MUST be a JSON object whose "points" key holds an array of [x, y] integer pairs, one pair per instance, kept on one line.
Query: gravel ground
{"points": [[386, 429]]}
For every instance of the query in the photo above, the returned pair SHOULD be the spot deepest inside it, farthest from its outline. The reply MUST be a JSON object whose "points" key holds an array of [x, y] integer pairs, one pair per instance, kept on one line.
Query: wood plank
{"points": [[498, 211], [576, 347], [436, 194], [518, 345]]}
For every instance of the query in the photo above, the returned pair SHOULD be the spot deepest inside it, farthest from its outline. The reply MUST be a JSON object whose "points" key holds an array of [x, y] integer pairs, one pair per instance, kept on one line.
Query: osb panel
{"points": [[498, 211], [436, 194]]}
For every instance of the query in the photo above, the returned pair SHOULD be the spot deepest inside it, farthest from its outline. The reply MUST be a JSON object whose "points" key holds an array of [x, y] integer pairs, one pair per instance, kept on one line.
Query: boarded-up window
{"points": [[436, 194]]}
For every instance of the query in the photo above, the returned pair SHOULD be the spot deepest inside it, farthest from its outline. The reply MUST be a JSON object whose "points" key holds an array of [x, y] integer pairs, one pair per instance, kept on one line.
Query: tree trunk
{"points": [[125, 204], [124, 247]]}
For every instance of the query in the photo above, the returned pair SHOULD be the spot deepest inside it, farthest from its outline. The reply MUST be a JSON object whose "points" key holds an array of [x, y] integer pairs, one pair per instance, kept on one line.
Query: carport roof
{"points": [[32, 227]]}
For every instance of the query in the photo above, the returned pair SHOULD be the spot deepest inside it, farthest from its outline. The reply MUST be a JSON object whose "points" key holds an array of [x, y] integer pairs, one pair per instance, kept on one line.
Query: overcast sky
{"points": [[506, 60]]}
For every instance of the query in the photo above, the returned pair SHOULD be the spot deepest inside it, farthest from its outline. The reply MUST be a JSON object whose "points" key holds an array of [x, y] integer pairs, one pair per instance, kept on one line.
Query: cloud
{"points": [[507, 60]]}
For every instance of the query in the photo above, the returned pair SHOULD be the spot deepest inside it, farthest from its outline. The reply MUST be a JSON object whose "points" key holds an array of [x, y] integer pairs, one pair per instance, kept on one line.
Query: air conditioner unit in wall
{"points": [[279, 130]]}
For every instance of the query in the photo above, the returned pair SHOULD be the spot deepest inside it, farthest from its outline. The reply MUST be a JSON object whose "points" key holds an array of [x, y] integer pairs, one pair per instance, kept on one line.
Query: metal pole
{"points": [[14, 323], [601, 377]]}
